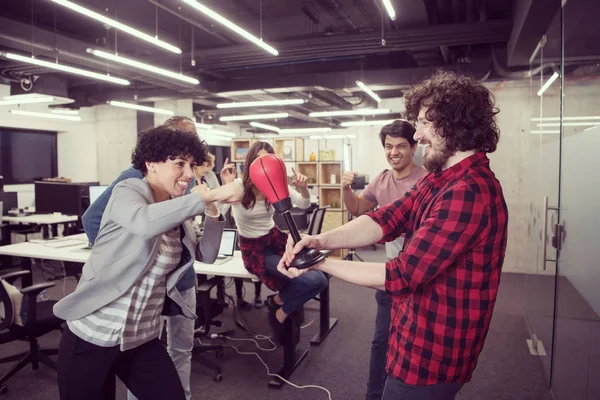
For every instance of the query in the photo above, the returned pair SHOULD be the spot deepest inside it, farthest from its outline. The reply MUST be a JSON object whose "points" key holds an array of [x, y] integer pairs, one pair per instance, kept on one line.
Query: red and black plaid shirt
{"points": [[444, 282], [253, 254]]}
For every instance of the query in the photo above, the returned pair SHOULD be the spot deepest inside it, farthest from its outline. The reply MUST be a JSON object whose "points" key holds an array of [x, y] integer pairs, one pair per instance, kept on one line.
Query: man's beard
{"points": [[436, 159]]}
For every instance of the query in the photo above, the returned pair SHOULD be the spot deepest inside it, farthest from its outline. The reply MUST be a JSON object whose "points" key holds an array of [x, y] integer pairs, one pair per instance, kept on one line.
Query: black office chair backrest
{"points": [[316, 221], [6, 308]]}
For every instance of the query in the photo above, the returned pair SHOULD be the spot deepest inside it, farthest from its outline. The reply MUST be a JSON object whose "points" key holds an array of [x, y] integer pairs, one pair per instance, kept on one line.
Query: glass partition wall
{"points": [[563, 295]]}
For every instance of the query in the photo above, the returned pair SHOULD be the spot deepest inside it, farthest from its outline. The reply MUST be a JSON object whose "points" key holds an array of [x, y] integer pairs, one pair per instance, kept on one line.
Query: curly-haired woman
{"points": [[145, 245]]}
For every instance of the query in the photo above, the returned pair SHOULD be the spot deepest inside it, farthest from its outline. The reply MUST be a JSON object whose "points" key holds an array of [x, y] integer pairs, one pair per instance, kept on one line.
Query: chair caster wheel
{"points": [[218, 378], [219, 354], [3, 389]]}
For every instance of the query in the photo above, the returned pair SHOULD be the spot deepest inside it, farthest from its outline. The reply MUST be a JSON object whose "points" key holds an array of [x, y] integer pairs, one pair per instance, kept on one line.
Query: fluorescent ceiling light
{"points": [[264, 126], [45, 115], [65, 68], [224, 21], [19, 99], [267, 135], [117, 25], [64, 111], [390, 9], [140, 107], [203, 126], [315, 137], [583, 118], [541, 132], [362, 111], [265, 103], [547, 84], [143, 66], [367, 123], [23, 96], [305, 130], [221, 133], [569, 124], [255, 116], [368, 91]]}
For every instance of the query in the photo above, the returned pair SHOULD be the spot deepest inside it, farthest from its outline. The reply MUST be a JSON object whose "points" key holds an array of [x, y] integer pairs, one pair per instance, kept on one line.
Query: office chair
{"points": [[38, 320], [208, 309], [300, 217], [316, 220]]}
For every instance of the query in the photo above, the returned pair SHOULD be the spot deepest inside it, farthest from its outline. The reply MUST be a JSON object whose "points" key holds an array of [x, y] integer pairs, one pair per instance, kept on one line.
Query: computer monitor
{"points": [[228, 241], [95, 192], [9, 201], [65, 198]]}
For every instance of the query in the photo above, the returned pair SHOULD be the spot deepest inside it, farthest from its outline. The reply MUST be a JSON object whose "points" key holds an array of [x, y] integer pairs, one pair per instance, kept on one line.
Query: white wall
{"points": [[115, 140], [76, 143]]}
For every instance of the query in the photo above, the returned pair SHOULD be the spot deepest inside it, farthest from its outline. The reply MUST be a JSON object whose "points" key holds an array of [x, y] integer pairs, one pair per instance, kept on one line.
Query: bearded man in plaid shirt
{"points": [[445, 280]]}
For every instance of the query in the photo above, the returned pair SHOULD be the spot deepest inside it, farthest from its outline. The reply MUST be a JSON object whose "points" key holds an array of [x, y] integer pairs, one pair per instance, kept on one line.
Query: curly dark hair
{"points": [[461, 109], [164, 142], [398, 128], [249, 199]]}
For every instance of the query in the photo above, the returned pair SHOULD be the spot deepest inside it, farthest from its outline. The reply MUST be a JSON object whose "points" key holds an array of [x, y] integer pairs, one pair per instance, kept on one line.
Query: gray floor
{"points": [[505, 369]]}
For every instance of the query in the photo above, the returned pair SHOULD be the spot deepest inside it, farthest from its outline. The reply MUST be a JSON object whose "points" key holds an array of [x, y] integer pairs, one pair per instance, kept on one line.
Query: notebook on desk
{"points": [[228, 241]]}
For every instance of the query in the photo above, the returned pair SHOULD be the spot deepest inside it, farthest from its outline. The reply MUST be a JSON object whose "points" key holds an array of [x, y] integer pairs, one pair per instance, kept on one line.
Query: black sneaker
{"points": [[258, 303], [243, 305]]}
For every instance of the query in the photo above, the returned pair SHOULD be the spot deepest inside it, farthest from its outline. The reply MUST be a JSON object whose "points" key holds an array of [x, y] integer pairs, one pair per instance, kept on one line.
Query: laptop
{"points": [[228, 241]]}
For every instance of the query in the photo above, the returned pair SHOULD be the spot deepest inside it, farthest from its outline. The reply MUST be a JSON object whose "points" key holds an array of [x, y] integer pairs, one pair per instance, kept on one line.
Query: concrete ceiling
{"points": [[324, 46]]}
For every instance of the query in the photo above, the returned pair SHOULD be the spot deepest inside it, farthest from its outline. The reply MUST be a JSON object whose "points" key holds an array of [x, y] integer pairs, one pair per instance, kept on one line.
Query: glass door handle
{"points": [[545, 258]]}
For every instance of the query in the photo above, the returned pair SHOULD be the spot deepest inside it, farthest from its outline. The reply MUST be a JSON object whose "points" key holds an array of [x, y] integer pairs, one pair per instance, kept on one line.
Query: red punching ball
{"points": [[268, 174]]}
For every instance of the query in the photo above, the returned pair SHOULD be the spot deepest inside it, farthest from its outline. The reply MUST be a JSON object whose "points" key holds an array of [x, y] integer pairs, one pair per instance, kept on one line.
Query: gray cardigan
{"points": [[127, 244]]}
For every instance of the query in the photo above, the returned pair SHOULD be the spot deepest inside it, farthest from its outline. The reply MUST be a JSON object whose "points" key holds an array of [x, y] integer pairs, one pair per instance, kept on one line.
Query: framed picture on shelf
{"points": [[240, 153]]}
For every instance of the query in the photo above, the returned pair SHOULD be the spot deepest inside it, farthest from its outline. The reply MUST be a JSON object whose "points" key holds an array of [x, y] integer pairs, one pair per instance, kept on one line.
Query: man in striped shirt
{"points": [[445, 281]]}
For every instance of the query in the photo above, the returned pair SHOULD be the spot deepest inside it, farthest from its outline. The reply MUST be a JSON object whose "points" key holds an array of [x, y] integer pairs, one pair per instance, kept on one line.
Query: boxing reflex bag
{"points": [[268, 174]]}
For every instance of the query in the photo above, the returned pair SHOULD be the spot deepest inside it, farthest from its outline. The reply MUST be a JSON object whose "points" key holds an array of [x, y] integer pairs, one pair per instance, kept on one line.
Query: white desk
{"points": [[79, 254], [45, 220], [232, 268], [41, 219]]}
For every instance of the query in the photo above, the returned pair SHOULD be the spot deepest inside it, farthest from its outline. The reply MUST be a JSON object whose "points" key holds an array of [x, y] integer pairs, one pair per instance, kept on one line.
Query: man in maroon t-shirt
{"points": [[399, 147]]}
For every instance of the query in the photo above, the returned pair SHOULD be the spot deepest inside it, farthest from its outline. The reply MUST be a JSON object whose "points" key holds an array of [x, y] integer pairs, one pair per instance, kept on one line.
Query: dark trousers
{"points": [[397, 390], [239, 286], [379, 346], [87, 371]]}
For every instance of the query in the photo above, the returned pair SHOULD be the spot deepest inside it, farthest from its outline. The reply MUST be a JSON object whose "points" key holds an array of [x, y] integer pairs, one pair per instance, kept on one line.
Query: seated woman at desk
{"points": [[145, 244], [262, 245], [204, 173]]}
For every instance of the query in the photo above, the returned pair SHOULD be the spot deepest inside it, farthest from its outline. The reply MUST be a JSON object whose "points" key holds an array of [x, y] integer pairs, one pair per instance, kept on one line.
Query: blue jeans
{"points": [[299, 290], [379, 346], [397, 390]]}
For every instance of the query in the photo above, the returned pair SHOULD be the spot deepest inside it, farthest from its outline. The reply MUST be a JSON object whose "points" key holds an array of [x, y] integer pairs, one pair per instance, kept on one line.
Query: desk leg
{"points": [[27, 280], [292, 356], [326, 323]]}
